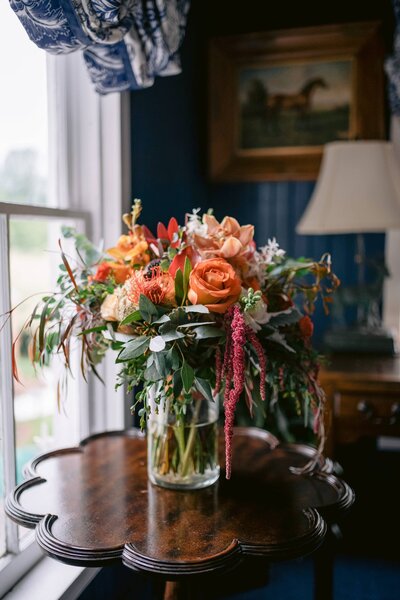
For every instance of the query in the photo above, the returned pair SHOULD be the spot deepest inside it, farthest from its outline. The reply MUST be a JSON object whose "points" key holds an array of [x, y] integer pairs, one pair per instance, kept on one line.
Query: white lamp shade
{"points": [[358, 190]]}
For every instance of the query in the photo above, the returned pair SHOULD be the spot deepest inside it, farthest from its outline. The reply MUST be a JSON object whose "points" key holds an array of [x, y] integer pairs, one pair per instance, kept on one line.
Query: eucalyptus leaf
{"points": [[136, 315], [147, 309], [152, 373], [134, 348], [169, 332], [93, 330], [157, 344], [279, 339], [162, 319], [208, 331], [172, 359], [179, 316], [196, 308], [286, 317], [204, 387], [187, 375], [196, 324], [111, 331], [160, 363]]}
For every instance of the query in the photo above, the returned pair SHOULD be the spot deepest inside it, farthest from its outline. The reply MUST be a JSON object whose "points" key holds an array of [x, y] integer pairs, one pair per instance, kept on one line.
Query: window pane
{"points": [[2, 515], [40, 424], [23, 115]]}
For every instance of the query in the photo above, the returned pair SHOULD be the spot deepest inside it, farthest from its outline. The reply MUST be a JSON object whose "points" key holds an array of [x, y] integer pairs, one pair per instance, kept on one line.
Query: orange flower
{"points": [[119, 271], [215, 284], [157, 286], [131, 248], [306, 326], [227, 239]]}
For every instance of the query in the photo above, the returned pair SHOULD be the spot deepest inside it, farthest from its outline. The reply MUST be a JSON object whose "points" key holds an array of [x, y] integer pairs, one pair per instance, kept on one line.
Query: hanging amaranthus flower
{"points": [[262, 361], [236, 369], [233, 368]]}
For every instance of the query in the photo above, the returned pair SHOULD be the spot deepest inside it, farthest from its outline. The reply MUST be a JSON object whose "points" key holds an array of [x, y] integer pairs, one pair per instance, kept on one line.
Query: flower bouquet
{"points": [[192, 313]]}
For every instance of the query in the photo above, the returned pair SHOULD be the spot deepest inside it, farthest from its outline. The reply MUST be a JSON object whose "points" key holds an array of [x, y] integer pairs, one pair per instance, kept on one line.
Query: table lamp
{"points": [[358, 191]]}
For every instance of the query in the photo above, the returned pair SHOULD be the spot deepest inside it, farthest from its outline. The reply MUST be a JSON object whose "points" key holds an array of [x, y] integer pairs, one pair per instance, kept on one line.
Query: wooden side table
{"points": [[93, 505], [363, 398]]}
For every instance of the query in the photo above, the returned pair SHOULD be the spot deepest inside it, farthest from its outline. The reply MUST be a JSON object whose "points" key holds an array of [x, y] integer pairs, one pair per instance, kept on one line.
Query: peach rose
{"points": [[215, 284], [109, 308], [227, 239]]}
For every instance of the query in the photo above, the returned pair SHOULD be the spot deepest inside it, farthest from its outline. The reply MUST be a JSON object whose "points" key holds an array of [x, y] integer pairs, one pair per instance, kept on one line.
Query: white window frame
{"points": [[93, 184]]}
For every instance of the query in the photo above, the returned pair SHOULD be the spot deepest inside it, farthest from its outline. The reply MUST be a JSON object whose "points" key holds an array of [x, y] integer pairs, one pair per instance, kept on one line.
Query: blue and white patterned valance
{"points": [[126, 43], [392, 65]]}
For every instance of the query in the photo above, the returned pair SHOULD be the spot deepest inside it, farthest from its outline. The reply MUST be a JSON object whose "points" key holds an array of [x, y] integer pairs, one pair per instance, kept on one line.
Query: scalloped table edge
{"points": [[225, 561]]}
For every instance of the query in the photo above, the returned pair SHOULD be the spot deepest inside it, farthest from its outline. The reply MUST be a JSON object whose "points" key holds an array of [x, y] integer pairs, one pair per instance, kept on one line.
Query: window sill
{"points": [[61, 582]]}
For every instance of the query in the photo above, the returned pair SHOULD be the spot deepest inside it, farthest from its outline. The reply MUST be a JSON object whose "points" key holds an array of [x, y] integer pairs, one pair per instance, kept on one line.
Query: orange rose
{"points": [[215, 284]]}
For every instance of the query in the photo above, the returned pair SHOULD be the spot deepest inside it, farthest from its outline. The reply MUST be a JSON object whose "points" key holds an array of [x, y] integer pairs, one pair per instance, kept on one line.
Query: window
{"points": [[30, 223], [61, 153]]}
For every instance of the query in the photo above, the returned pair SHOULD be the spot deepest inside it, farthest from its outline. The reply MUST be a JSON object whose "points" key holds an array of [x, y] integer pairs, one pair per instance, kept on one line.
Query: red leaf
{"points": [[66, 264], [173, 229], [162, 232], [177, 263], [149, 237], [14, 363]]}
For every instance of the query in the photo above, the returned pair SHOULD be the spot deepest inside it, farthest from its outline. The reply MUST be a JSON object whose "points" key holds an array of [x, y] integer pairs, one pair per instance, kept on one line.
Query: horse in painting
{"points": [[300, 101]]}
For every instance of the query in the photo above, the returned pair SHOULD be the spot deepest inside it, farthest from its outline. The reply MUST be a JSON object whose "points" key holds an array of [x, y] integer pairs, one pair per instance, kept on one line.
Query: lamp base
{"points": [[361, 340]]}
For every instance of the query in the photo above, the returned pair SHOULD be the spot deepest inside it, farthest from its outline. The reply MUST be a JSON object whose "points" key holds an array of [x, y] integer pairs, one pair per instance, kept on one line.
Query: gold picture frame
{"points": [[276, 98]]}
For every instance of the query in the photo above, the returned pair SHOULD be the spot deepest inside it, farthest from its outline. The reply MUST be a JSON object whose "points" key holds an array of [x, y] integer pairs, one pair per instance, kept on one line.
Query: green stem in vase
{"points": [[179, 431], [187, 456]]}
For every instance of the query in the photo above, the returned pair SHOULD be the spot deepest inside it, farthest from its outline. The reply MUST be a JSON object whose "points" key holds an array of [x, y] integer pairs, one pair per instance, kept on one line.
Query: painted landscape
{"points": [[296, 105]]}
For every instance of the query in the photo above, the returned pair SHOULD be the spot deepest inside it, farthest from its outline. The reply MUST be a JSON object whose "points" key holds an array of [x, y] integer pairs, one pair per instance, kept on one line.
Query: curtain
{"points": [[125, 43], [393, 65]]}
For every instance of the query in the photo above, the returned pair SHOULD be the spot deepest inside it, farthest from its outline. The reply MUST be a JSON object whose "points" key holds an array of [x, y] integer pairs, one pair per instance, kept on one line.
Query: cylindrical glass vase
{"points": [[182, 451]]}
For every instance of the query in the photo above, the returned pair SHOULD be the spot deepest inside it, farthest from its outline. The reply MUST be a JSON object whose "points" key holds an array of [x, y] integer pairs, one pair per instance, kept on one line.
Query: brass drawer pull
{"points": [[365, 409]]}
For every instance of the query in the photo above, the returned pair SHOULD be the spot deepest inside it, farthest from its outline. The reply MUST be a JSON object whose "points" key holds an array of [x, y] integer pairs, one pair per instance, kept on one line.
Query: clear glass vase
{"points": [[182, 451]]}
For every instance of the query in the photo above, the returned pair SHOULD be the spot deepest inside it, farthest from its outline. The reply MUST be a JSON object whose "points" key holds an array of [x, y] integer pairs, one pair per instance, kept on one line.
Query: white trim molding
{"points": [[60, 582], [95, 144]]}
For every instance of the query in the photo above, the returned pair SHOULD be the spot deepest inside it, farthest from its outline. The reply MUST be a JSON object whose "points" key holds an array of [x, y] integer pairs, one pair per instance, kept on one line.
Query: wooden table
{"points": [[363, 398], [93, 505]]}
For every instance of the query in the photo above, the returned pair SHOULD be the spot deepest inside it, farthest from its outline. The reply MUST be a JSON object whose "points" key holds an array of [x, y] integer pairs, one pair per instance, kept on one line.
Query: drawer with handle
{"points": [[365, 415], [369, 408]]}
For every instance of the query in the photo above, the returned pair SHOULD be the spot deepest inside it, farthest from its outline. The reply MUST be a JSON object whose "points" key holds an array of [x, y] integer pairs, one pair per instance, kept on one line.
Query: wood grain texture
{"points": [[363, 398], [93, 505]]}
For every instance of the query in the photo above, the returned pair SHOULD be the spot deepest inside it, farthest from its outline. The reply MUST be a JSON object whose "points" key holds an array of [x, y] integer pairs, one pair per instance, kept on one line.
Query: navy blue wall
{"points": [[169, 145]]}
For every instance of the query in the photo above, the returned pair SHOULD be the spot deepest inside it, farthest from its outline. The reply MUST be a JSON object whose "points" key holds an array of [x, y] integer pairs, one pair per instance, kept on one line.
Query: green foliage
{"points": [[132, 318], [147, 309], [134, 348], [179, 288], [89, 254]]}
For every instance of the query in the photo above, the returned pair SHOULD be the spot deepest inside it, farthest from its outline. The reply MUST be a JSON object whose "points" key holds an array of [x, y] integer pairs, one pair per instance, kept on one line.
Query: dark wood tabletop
{"points": [[93, 505], [363, 367]]}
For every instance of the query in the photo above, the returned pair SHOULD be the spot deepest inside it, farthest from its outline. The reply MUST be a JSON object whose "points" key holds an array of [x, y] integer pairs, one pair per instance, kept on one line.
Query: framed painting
{"points": [[276, 98]]}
